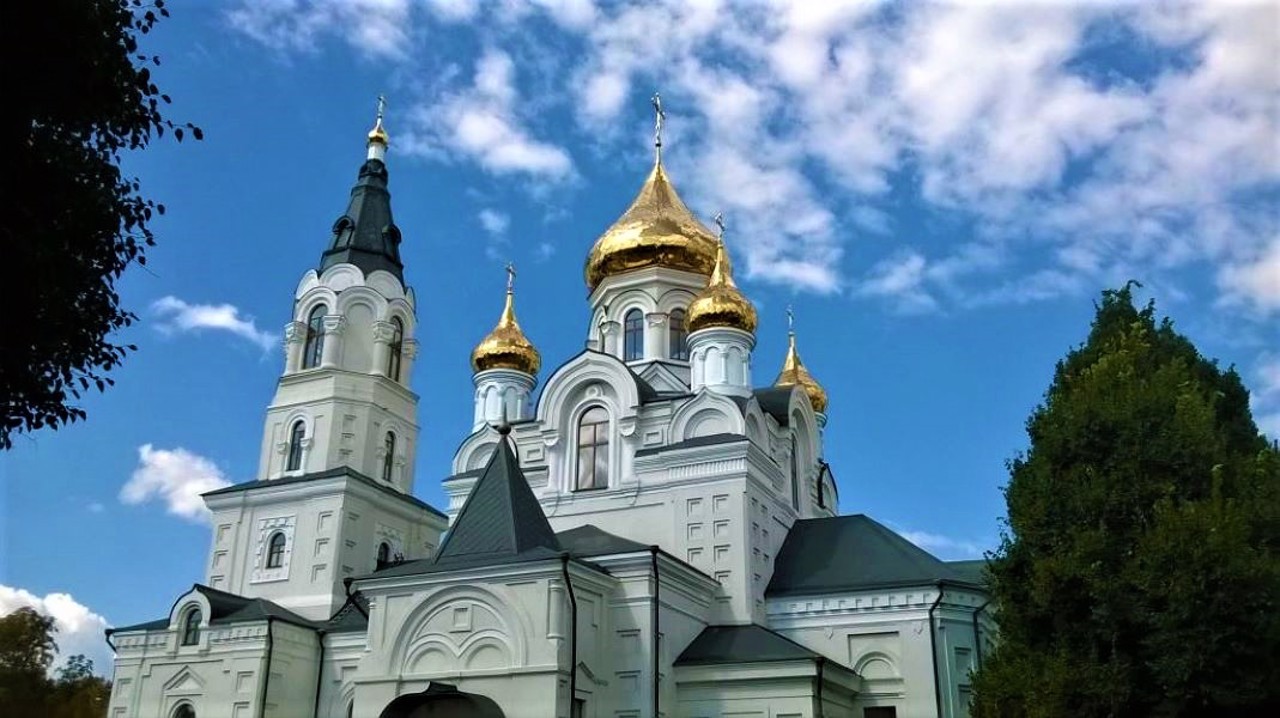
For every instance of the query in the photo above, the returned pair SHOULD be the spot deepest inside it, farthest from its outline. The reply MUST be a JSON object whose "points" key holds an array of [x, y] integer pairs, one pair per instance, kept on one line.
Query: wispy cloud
{"points": [[373, 28], [945, 547], [175, 477], [79, 629], [802, 120], [174, 315]]}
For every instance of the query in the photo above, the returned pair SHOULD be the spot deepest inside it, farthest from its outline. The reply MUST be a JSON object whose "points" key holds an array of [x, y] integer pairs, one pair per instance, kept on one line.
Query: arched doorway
{"points": [[442, 700]]}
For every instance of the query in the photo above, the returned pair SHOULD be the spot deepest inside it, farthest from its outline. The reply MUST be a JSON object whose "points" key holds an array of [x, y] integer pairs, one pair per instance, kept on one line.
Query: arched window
{"points": [[795, 473], [822, 486], [296, 436], [397, 347], [388, 446], [314, 347], [184, 711], [678, 335], [633, 336], [191, 627], [593, 450], [384, 554], [275, 550]]}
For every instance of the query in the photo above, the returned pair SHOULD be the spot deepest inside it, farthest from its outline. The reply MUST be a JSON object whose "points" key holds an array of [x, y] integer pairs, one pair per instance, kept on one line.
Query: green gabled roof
{"points": [[501, 518], [848, 553], [742, 644]]}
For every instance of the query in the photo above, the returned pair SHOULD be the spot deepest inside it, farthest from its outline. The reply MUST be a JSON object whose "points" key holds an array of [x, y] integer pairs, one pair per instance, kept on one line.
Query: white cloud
{"points": [[797, 119], [483, 123], [175, 476], [96, 507], [494, 222], [373, 28], [945, 547], [79, 630], [175, 315]]}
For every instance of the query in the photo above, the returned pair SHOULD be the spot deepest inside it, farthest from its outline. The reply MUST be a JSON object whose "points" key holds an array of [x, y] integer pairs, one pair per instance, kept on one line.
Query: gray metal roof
{"points": [[973, 570], [365, 235], [327, 474], [742, 644], [710, 440], [776, 402], [227, 608], [586, 541], [845, 553]]}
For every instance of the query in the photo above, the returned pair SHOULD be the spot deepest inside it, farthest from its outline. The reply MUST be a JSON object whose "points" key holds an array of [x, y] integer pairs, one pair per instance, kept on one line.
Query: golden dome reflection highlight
{"points": [[721, 304], [794, 373], [506, 347]]}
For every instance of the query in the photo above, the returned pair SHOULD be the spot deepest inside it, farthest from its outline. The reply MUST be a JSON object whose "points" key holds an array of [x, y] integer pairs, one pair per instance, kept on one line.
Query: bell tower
{"points": [[333, 497]]}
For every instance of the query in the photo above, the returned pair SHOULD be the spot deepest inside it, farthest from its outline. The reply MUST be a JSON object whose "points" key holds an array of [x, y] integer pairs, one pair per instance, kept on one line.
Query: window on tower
{"points": [[191, 627], [314, 348], [275, 550], [384, 554], [678, 335], [593, 450], [633, 335], [397, 346], [795, 473], [389, 448], [296, 436]]}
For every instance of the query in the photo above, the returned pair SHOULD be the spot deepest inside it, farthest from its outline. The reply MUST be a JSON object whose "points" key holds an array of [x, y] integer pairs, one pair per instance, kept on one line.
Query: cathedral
{"points": [[649, 533]]}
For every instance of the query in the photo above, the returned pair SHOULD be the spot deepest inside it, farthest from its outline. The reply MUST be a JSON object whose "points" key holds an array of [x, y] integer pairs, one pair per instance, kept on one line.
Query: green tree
{"points": [[1138, 575], [78, 693], [26, 651], [72, 222]]}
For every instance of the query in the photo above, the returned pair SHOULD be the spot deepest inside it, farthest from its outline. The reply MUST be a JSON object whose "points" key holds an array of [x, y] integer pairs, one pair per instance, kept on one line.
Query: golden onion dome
{"points": [[506, 347], [795, 374], [378, 135], [657, 230], [721, 304]]}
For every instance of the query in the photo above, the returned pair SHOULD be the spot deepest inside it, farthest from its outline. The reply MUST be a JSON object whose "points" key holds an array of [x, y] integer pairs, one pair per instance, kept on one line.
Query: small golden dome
{"points": [[657, 230], [506, 347], [794, 374], [721, 304], [378, 135]]}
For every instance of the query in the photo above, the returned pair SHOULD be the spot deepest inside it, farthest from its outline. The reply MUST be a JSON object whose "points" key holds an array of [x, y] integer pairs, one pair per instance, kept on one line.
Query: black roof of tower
{"points": [[366, 235]]}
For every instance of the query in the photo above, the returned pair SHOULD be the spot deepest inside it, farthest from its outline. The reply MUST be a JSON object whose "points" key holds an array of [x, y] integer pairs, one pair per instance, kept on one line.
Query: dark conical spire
{"points": [[501, 518], [365, 235]]}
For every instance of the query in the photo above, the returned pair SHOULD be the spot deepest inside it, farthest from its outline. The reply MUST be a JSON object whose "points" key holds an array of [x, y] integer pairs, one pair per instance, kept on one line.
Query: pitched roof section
{"points": [[501, 519], [365, 235], [587, 541], [776, 402], [709, 440], [845, 553], [227, 608], [742, 644]]}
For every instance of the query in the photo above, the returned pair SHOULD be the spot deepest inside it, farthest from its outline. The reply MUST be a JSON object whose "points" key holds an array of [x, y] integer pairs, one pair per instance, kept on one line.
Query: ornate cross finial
{"points": [[659, 119], [719, 219], [791, 320], [511, 277], [382, 105]]}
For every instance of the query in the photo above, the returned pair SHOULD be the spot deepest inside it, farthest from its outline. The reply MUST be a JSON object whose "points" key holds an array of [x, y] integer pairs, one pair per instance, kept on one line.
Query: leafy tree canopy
{"points": [[27, 649], [72, 221], [1139, 574]]}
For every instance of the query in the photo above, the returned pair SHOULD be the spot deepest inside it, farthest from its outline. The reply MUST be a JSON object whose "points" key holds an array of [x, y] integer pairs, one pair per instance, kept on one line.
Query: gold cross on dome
{"points": [[659, 119], [382, 105], [511, 276], [791, 320], [719, 219]]}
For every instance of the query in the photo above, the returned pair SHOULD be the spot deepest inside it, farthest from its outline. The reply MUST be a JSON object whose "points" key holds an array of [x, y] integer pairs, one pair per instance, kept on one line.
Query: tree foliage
{"points": [[1139, 574], [72, 221], [27, 648]]}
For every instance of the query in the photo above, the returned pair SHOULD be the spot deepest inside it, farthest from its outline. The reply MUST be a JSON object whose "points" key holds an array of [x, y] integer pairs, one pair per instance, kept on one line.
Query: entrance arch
{"points": [[442, 700]]}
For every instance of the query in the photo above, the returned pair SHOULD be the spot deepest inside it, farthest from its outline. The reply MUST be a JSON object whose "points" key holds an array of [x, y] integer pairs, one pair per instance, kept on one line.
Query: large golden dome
{"points": [[657, 230], [721, 304], [506, 347], [795, 374]]}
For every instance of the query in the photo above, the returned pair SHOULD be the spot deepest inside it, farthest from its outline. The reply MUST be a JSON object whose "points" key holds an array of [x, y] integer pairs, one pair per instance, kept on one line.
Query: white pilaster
{"points": [[499, 392], [295, 335], [331, 354]]}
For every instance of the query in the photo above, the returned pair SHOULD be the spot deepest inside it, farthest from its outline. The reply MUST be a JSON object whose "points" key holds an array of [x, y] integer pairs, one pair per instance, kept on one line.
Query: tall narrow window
{"points": [[314, 348], [275, 550], [296, 435], [678, 335], [397, 347], [191, 627], [184, 711], [633, 335], [388, 446], [384, 554], [795, 474], [593, 450]]}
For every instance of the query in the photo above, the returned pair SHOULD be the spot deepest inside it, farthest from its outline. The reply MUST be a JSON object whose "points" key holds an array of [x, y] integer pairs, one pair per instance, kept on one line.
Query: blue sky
{"points": [[941, 191]]}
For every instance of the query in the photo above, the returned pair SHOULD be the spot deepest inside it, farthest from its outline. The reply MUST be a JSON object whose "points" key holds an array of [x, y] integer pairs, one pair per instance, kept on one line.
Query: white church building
{"points": [[652, 533]]}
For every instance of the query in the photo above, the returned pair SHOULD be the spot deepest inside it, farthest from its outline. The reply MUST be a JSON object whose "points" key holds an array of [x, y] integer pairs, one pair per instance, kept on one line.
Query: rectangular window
{"points": [[880, 712]]}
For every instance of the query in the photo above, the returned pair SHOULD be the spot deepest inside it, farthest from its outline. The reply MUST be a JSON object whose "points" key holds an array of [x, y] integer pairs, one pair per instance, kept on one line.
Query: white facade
{"points": [[671, 485]]}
